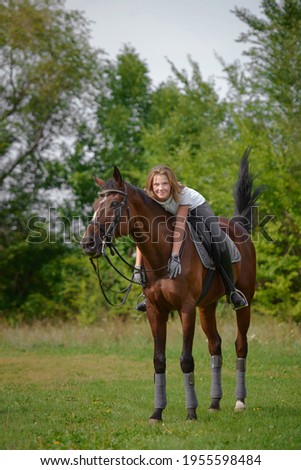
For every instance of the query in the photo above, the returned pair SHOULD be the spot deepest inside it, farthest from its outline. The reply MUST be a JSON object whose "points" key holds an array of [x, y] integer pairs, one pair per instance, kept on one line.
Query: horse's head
{"points": [[108, 209]]}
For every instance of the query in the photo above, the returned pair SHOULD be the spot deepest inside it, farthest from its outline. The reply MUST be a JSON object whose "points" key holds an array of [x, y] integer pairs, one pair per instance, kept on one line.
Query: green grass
{"points": [[71, 387]]}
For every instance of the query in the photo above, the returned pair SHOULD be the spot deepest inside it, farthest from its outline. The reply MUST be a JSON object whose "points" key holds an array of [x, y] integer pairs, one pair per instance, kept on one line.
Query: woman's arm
{"points": [[179, 230], [138, 257]]}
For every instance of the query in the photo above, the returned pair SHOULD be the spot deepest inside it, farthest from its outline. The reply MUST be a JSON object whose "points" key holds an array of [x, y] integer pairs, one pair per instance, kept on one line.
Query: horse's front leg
{"points": [[187, 362], [158, 322]]}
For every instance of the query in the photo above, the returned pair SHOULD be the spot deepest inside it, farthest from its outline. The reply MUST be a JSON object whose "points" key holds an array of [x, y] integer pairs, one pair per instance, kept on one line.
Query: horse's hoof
{"points": [[239, 406], [154, 421], [191, 416], [156, 417], [215, 406], [213, 410]]}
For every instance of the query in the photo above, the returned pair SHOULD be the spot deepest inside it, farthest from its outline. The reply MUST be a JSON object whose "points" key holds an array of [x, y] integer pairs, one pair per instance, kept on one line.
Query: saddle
{"points": [[203, 253]]}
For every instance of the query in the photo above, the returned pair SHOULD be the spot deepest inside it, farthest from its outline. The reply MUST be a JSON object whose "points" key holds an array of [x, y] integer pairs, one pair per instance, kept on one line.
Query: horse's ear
{"points": [[117, 176], [99, 181]]}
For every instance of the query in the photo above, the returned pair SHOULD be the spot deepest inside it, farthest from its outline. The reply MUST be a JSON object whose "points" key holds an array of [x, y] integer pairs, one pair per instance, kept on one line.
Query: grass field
{"points": [[72, 387]]}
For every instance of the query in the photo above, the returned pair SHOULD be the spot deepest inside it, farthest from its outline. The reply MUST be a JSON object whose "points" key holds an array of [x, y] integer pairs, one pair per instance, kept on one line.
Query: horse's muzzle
{"points": [[90, 247]]}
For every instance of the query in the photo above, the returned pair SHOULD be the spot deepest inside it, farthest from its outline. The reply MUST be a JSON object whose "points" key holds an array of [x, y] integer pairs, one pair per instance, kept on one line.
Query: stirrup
{"points": [[141, 307], [239, 302]]}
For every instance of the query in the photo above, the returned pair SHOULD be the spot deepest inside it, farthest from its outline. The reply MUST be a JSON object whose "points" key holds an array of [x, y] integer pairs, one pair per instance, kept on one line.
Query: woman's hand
{"points": [[139, 276], [174, 266]]}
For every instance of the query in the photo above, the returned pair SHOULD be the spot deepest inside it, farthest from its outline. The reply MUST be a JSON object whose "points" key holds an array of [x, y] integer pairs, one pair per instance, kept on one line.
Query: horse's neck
{"points": [[149, 230]]}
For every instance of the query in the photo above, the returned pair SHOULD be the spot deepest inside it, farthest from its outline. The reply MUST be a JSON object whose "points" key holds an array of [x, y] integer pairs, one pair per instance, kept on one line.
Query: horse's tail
{"points": [[244, 195]]}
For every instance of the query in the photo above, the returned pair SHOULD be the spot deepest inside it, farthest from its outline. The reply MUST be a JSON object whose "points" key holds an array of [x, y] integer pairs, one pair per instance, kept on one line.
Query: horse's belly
{"points": [[170, 294]]}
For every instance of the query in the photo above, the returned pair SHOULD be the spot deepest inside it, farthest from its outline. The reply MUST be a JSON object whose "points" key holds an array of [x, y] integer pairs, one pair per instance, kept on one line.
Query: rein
{"points": [[108, 240], [105, 287]]}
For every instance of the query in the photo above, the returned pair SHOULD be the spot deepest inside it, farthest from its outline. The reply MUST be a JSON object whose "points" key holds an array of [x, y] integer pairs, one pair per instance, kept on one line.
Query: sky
{"points": [[173, 29]]}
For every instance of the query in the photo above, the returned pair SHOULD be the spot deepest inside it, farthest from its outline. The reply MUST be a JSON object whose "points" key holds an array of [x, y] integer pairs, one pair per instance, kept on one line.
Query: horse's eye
{"points": [[114, 204]]}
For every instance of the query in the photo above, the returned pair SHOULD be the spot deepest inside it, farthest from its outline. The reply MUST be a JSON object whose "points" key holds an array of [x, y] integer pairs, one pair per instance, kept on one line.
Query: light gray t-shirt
{"points": [[187, 197]]}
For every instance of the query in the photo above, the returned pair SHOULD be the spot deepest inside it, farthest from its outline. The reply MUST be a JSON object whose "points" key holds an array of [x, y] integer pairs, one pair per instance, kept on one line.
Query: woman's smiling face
{"points": [[161, 187]]}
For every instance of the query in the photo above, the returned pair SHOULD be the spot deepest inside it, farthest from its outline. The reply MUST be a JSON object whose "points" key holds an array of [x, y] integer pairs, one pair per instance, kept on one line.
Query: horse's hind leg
{"points": [[208, 322], [241, 345]]}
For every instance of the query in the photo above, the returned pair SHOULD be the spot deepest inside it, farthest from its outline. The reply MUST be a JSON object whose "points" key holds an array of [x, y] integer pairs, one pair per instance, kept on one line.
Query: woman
{"points": [[162, 186]]}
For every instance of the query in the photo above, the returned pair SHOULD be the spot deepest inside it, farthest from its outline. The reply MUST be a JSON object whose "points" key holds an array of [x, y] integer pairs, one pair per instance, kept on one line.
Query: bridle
{"points": [[108, 240], [108, 236]]}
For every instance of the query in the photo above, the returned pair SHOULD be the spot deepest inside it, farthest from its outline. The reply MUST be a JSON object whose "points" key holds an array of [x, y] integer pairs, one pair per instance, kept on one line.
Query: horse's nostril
{"points": [[87, 243]]}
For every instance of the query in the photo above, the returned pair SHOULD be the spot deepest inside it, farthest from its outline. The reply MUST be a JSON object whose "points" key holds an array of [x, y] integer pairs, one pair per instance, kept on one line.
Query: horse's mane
{"points": [[146, 199]]}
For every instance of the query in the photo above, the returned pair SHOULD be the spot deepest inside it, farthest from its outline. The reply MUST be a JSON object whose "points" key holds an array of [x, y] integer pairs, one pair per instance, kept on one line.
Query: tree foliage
{"points": [[46, 61], [46, 65], [68, 112], [114, 134], [266, 106]]}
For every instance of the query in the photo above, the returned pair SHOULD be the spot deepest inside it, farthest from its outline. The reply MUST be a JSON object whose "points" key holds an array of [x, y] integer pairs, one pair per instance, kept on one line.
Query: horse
{"points": [[122, 209]]}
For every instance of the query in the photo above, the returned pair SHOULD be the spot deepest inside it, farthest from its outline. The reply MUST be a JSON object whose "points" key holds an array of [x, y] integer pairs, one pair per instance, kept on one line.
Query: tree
{"points": [[46, 63], [265, 98], [186, 130], [46, 66], [114, 136]]}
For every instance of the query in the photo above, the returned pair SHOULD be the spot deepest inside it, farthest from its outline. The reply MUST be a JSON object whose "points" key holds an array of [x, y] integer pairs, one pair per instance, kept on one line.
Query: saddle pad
{"points": [[203, 254]]}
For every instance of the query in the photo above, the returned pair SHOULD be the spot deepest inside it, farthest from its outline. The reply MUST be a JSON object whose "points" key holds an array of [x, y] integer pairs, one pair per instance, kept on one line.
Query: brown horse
{"points": [[122, 209]]}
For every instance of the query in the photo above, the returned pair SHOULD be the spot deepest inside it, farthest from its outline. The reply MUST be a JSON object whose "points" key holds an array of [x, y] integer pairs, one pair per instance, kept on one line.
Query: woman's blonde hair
{"points": [[175, 186]]}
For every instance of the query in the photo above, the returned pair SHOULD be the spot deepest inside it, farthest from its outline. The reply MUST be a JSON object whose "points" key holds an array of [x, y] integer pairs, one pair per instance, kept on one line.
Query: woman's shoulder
{"points": [[189, 196], [186, 191]]}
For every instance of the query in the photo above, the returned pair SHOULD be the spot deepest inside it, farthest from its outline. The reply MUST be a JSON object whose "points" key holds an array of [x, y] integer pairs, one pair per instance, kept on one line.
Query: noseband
{"points": [[107, 238]]}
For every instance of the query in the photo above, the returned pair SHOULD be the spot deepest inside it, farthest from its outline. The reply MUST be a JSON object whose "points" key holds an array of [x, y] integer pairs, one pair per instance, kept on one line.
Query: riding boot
{"points": [[141, 307], [234, 296]]}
